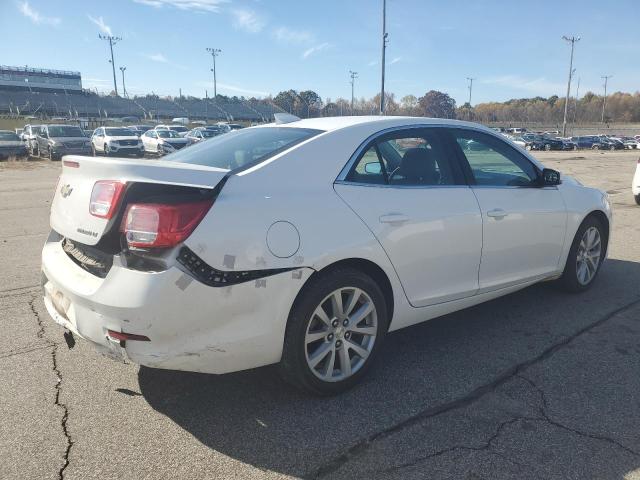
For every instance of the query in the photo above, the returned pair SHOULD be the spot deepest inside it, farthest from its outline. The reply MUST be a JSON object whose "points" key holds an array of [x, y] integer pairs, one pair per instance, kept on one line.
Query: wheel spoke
{"points": [[363, 353], [331, 364], [353, 300], [315, 336], [319, 354], [364, 330], [345, 362], [336, 303], [582, 272], [322, 315], [360, 314]]}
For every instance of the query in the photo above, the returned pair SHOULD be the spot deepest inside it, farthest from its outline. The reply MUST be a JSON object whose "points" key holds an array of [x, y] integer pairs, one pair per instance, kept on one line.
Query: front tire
{"points": [[585, 256], [334, 331], [637, 198]]}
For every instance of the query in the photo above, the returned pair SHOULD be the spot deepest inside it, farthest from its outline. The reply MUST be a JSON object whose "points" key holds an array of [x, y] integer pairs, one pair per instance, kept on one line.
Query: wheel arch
{"points": [[365, 266]]}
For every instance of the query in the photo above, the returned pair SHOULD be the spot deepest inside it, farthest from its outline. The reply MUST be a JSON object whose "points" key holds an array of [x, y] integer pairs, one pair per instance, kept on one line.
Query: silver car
{"points": [[54, 141]]}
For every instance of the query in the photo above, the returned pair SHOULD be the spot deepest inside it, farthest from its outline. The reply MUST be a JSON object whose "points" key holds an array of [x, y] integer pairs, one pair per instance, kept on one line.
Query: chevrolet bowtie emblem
{"points": [[66, 190]]}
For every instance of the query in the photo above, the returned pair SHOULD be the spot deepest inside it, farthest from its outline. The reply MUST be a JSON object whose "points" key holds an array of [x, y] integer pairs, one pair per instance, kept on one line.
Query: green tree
{"points": [[437, 104]]}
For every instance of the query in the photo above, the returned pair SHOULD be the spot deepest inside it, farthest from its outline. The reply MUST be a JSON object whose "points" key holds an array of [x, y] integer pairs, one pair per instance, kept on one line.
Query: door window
{"points": [[495, 163], [406, 158]]}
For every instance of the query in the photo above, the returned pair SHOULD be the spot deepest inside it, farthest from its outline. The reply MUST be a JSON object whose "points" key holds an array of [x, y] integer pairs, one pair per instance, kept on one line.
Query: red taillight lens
{"points": [[105, 197], [155, 225]]}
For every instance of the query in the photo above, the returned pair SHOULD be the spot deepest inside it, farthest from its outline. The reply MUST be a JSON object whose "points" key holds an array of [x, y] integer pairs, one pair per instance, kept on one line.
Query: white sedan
{"points": [[162, 142], [304, 243]]}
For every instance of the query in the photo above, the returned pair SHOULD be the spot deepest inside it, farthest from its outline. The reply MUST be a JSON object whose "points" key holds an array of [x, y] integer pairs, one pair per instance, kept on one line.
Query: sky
{"points": [[513, 49]]}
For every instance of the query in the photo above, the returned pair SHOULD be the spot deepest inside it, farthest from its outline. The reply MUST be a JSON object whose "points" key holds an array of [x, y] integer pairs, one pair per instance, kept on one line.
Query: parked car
{"points": [[630, 143], [546, 143], [180, 129], [528, 144], [11, 145], [220, 258], [198, 134], [54, 141], [635, 185], [567, 144], [117, 141], [587, 141], [29, 137], [162, 142], [607, 143]]}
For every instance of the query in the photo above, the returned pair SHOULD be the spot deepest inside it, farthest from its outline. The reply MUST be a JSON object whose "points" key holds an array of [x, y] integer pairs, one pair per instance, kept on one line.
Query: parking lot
{"points": [[538, 384]]}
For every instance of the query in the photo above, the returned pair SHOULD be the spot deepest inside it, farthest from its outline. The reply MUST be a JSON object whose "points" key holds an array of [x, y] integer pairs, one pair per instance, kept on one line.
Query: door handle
{"points": [[393, 218], [497, 213]]}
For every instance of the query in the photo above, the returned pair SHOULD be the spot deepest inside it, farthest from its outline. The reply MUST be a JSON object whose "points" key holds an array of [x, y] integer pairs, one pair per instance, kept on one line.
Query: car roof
{"points": [[337, 123]]}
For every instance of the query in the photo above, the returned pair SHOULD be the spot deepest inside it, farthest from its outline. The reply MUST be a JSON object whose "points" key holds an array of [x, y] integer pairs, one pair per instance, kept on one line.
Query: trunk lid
{"points": [[70, 215]]}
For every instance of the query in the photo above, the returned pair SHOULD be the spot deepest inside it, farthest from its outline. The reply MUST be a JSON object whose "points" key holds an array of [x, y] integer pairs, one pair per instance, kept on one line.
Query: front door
{"points": [[523, 223]]}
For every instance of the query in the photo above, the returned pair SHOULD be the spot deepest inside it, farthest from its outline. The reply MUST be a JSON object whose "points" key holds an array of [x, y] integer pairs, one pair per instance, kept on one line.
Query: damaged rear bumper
{"points": [[190, 326]]}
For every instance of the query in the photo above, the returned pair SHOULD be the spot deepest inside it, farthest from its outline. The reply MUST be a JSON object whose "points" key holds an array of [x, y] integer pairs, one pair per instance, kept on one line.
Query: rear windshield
{"points": [[243, 148], [64, 131], [119, 132]]}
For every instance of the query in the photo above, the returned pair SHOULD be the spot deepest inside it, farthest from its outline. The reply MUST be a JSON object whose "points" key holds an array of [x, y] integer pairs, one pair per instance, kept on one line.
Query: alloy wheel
{"points": [[340, 334], [589, 253]]}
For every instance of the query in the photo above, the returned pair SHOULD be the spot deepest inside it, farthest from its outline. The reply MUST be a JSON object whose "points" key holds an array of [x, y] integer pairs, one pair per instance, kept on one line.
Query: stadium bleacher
{"points": [[87, 104]]}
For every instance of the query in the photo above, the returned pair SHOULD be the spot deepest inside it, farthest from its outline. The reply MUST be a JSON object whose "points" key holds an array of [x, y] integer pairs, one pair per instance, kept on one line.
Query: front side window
{"points": [[406, 158], [493, 162], [241, 148]]}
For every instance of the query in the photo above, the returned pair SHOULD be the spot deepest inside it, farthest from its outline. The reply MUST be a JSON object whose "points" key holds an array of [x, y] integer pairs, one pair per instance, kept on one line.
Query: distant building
{"points": [[39, 79]]}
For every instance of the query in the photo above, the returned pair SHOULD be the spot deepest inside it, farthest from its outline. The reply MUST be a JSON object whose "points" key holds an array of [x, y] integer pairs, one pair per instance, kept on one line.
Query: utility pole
{"points": [[353, 75], [384, 47], [124, 88], [575, 112], [572, 40], [470, 88], [214, 53], [604, 101], [112, 41]]}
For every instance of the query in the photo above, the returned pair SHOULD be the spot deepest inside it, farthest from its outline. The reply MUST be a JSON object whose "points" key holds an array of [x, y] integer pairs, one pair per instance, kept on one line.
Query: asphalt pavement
{"points": [[538, 384]]}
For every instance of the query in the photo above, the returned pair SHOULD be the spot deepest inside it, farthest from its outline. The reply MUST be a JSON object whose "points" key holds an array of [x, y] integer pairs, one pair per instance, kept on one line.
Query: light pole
{"points": [[112, 41], [353, 75], [470, 92], [124, 88], [384, 48], [214, 53], [572, 41], [604, 100]]}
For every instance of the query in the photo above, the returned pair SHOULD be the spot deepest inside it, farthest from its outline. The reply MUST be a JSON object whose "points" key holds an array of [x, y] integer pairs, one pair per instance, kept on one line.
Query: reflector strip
{"points": [[122, 336]]}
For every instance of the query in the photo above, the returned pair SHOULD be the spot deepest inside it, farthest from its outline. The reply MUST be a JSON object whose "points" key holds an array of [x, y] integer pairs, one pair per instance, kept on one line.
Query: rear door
{"points": [[523, 223], [408, 187]]}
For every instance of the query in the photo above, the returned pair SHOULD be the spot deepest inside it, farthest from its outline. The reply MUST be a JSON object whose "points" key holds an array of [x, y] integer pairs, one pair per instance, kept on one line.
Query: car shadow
{"points": [[254, 417]]}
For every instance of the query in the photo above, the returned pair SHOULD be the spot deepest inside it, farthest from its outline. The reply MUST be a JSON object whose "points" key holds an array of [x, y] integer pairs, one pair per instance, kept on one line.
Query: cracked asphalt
{"points": [[539, 384]]}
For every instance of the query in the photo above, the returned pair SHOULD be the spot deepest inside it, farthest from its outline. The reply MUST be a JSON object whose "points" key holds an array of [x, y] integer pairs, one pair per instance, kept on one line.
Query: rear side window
{"points": [[243, 148], [493, 162], [414, 157]]}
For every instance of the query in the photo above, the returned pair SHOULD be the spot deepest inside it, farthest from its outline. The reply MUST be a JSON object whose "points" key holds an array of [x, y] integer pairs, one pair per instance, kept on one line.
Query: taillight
{"points": [[105, 197], [155, 225]]}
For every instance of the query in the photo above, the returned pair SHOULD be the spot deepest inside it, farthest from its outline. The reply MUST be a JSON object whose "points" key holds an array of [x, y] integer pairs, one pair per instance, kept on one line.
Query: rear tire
{"points": [[547, 147], [582, 266], [330, 341], [637, 198]]}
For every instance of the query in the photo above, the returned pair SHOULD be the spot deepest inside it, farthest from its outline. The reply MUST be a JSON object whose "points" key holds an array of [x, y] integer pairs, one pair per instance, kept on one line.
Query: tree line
{"points": [[620, 107]]}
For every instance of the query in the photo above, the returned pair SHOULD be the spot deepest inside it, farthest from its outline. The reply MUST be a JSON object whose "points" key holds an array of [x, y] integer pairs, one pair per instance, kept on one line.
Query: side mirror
{"points": [[373, 168], [550, 177]]}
